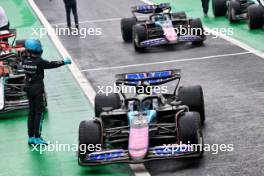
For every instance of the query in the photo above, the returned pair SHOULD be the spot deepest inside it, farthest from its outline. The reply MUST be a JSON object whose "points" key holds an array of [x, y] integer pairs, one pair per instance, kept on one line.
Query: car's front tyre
{"points": [[192, 96], [219, 7], [102, 100], [233, 10], [255, 16], [198, 30], [190, 132], [90, 133], [127, 27], [139, 35]]}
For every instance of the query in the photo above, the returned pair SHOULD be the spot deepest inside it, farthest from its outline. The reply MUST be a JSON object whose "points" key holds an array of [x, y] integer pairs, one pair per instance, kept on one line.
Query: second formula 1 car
{"points": [[237, 10], [12, 77], [159, 26], [146, 125]]}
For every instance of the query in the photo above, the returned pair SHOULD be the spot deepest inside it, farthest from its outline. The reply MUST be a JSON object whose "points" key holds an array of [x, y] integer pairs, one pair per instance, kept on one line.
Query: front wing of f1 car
{"points": [[164, 41], [170, 36], [124, 156]]}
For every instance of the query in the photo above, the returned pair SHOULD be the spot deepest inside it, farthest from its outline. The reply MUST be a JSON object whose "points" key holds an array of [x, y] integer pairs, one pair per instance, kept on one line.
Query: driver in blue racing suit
{"points": [[34, 67]]}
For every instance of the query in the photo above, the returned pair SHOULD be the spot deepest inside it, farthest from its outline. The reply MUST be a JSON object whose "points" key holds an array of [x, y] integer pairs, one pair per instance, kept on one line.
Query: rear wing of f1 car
{"points": [[147, 9], [7, 33], [151, 78], [4, 34]]}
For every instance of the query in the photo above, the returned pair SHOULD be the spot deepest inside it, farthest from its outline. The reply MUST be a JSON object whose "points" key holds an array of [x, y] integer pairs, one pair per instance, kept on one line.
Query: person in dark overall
{"points": [[205, 5], [34, 67], [71, 6]]}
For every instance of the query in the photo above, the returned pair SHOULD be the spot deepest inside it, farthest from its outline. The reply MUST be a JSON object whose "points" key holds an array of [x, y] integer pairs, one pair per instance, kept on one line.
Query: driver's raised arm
{"points": [[53, 64], [50, 64]]}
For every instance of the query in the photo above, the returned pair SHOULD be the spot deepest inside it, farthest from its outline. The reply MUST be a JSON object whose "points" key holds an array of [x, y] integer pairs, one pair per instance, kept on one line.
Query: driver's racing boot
{"points": [[40, 141], [31, 141]]}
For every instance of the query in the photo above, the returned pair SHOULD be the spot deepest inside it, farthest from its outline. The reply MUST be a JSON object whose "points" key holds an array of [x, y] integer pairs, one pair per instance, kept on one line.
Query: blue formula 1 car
{"points": [[147, 125], [160, 26]]}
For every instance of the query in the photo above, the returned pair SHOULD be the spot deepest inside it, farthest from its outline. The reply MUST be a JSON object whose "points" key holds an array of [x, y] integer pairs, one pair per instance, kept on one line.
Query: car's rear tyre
{"points": [[197, 27], [127, 28], [255, 16], [219, 7], [178, 15], [233, 10], [190, 132], [192, 96], [111, 100], [139, 35], [90, 133]]}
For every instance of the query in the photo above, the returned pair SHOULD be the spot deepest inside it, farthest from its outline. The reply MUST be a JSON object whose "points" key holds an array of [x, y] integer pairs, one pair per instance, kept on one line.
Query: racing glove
{"points": [[67, 61]]}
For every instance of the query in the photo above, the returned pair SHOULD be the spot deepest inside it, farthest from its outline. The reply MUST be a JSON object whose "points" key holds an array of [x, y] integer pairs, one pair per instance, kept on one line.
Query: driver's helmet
{"points": [[34, 46], [142, 95], [147, 105], [158, 18], [166, 17]]}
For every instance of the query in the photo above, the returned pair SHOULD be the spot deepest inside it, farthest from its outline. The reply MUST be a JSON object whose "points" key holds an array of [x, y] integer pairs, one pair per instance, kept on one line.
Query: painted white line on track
{"points": [[166, 62], [91, 21], [84, 84], [236, 42], [138, 169], [104, 20]]}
